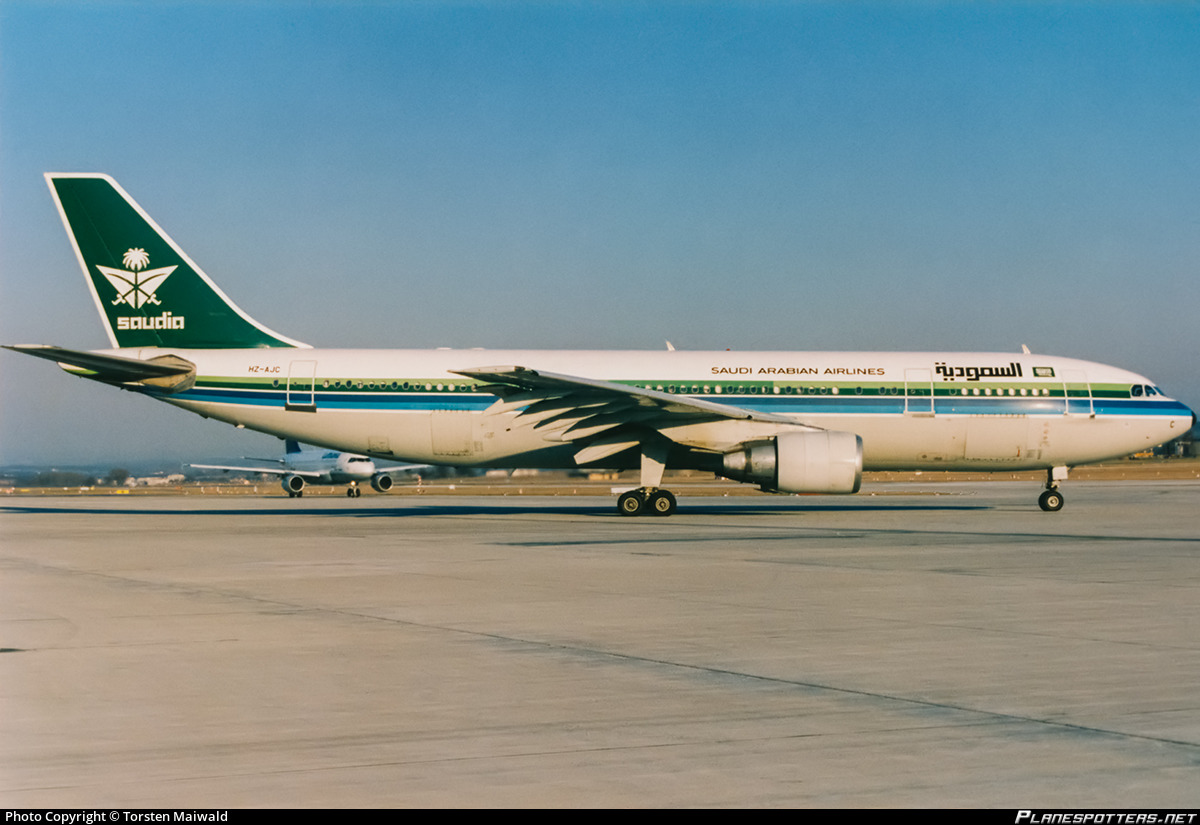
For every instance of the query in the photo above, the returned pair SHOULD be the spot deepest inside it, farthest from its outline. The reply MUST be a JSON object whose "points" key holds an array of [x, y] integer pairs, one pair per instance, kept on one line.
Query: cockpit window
{"points": [[1136, 390]]}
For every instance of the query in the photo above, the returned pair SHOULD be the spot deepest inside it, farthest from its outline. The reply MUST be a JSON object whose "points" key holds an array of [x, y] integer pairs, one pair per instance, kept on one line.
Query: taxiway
{"points": [[925, 646]]}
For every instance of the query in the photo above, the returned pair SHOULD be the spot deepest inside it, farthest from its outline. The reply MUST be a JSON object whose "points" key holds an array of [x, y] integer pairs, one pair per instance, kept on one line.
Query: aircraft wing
{"points": [[168, 371], [279, 471], [399, 468], [573, 409]]}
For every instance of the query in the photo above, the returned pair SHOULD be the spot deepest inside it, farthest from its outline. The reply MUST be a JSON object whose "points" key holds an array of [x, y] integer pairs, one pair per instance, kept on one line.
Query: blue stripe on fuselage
{"points": [[792, 404]]}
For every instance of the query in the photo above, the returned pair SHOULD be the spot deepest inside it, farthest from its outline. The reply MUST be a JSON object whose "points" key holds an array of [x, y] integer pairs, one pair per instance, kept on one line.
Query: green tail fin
{"points": [[148, 291]]}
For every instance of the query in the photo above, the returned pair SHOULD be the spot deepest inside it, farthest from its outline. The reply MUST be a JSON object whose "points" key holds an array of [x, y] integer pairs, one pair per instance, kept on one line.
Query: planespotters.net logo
{"points": [[136, 286], [1099, 818]]}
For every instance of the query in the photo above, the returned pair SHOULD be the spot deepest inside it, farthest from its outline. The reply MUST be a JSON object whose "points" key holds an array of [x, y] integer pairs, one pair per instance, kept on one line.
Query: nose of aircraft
{"points": [[1191, 426], [356, 467], [1188, 409]]}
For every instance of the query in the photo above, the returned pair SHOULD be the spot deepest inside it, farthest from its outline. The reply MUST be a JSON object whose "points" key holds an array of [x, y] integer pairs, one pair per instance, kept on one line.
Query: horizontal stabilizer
{"points": [[167, 371]]}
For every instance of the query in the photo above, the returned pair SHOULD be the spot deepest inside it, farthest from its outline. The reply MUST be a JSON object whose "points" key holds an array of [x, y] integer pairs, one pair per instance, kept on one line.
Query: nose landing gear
{"points": [[1052, 500]]}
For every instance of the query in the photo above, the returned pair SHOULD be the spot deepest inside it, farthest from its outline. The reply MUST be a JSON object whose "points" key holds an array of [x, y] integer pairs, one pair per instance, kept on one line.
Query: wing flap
{"points": [[604, 448]]}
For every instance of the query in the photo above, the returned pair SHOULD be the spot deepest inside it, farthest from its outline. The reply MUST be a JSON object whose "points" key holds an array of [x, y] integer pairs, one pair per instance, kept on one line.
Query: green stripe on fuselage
{"points": [[712, 389]]}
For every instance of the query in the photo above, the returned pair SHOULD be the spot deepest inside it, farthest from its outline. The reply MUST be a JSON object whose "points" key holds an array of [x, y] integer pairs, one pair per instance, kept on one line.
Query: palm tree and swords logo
{"points": [[136, 285]]}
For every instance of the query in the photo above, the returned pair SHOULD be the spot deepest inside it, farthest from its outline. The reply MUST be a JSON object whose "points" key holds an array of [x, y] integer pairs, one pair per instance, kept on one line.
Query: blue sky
{"points": [[957, 176]]}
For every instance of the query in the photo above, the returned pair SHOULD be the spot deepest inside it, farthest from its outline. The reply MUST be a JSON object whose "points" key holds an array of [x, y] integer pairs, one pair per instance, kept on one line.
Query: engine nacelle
{"points": [[824, 461], [293, 484], [381, 482]]}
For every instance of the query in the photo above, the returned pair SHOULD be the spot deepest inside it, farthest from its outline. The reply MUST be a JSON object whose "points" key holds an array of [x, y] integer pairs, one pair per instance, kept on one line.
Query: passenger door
{"points": [[301, 386]]}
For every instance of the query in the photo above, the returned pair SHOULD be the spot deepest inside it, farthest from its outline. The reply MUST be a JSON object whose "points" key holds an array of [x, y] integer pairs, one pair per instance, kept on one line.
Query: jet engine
{"points": [[293, 485], [823, 461], [381, 482]]}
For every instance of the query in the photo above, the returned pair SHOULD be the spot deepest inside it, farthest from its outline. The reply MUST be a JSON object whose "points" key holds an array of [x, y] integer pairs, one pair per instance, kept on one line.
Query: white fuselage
{"points": [[329, 466], [952, 411]]}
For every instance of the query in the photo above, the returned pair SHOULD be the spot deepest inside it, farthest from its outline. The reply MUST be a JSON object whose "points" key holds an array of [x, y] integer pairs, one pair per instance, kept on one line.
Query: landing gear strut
{"points": [[649, 499], [1052, 500]]}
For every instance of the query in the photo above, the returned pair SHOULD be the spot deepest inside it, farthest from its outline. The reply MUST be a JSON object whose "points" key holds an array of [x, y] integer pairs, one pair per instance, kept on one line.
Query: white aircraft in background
{"points": [[790, 422], [299, 467]]}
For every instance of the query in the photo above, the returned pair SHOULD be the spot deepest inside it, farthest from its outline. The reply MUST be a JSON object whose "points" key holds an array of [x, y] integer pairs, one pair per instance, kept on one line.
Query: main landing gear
{"points": [[649, 499], [1052, 500], [646, 501]]}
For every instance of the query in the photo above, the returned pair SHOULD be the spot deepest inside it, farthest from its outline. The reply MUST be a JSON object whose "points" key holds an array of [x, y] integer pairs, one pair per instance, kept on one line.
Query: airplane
{"points": [[789, 422], [299, 467]]}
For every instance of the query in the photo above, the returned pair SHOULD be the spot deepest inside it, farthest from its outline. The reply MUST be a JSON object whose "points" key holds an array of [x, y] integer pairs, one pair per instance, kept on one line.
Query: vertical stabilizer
{"points": [[149, 293]]}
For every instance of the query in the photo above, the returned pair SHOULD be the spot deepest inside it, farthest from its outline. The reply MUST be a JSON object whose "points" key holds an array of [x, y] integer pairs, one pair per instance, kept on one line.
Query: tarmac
{"points": [[944, 645]]}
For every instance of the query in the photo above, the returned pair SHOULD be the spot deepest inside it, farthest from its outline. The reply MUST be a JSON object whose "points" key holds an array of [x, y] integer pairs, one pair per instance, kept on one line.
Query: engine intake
{"points": [[293, 484], [825, 461], [381, 482]]}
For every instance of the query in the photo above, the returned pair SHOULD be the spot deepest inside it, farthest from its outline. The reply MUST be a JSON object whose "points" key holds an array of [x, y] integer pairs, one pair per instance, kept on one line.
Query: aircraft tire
{"points": [[1051, 501], [661, 503], [631, 503]]}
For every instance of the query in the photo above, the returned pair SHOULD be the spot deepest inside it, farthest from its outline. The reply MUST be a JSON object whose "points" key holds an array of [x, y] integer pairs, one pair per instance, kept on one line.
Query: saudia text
{"points": [[92, 817], [164, 321], [797, 371], [1013, 370]]}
